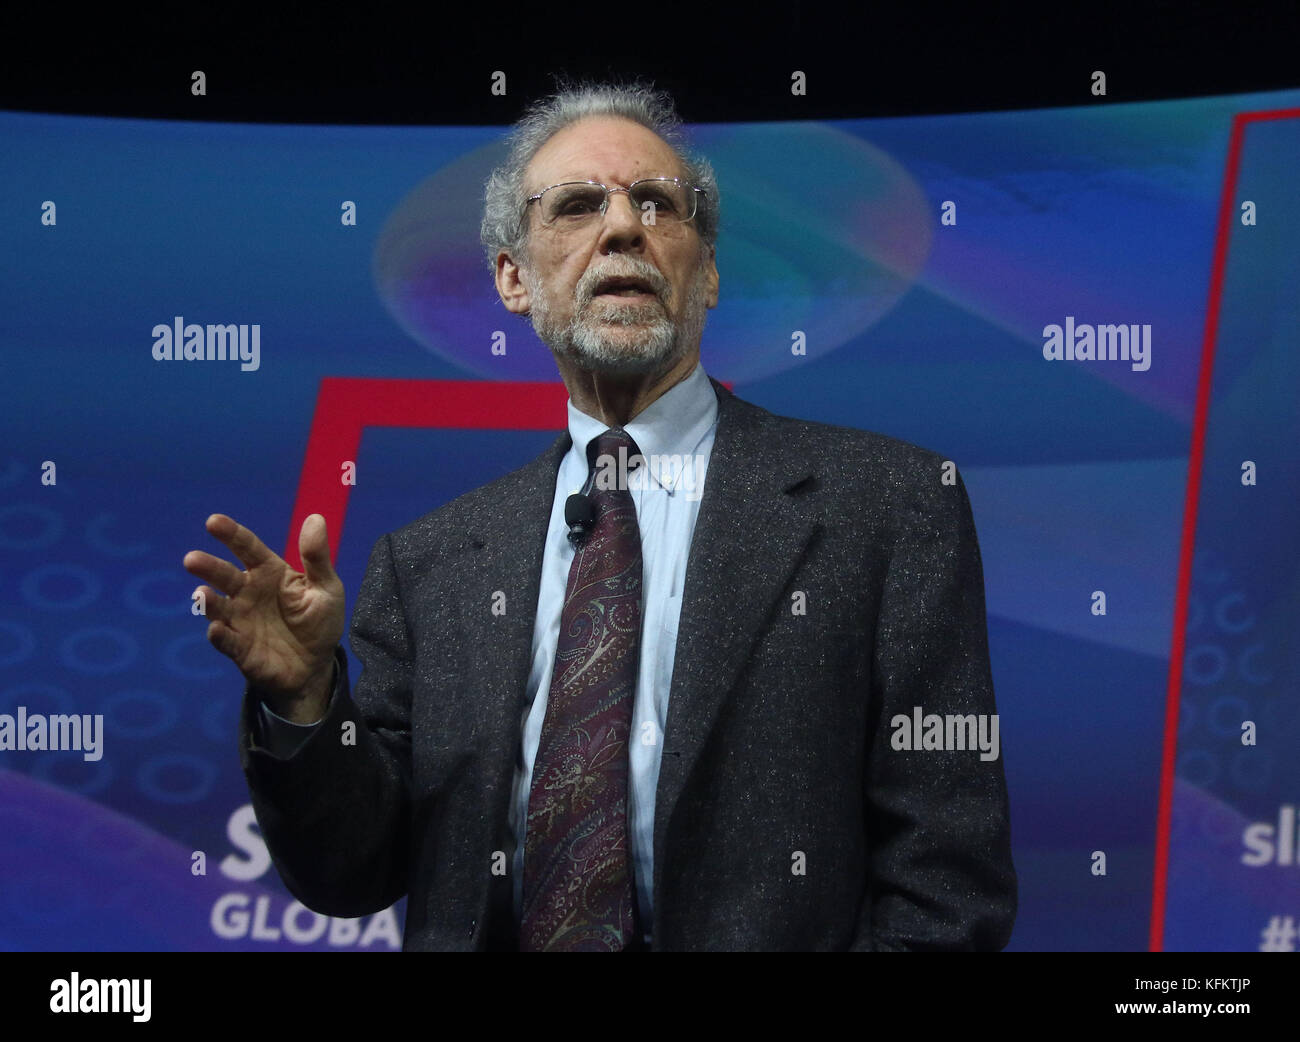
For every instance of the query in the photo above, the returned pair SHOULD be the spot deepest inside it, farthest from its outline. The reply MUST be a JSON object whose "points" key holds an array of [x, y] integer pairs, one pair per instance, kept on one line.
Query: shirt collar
{"points": [[673, 424]]}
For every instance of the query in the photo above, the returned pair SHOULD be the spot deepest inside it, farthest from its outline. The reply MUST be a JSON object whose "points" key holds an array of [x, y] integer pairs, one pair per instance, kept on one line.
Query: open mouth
{"points": [[625, 288]]}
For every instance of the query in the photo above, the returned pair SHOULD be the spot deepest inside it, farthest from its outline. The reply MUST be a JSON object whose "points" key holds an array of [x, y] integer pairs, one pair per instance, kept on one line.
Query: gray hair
{"points": [[505, 208]]}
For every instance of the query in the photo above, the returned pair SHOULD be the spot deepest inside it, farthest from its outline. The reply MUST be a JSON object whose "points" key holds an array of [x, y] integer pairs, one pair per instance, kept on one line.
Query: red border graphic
{"points": [[1227, 213], [346, 406]]}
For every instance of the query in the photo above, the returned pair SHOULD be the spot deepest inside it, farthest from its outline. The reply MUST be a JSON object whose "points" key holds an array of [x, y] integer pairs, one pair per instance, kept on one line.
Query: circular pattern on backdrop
{"points": [[24, 643], [174, 663], [96, 537], [1226, 715], [59, 701], [150, 775], [1249, 671], [176, 602], [73, 653], [1205, 664], [50, 533], [34, 582], [70, 770], [1231, 614], [160, 711]]}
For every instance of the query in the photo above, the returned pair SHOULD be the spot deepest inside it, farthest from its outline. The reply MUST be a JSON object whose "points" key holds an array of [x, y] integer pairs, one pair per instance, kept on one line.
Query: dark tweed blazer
{"points": [[777, 741]]}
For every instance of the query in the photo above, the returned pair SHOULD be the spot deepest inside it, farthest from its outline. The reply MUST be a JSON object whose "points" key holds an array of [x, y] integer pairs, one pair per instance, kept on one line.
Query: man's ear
{"points": [[711, 277], [511, 286]]}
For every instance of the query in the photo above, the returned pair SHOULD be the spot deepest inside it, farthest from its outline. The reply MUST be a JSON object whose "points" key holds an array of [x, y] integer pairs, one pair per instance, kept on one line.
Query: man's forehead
{"points": [[605, 149]]}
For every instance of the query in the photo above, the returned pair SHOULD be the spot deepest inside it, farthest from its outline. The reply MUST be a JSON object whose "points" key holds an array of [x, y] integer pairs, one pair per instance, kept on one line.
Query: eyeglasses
{"points": [[578, 204]]}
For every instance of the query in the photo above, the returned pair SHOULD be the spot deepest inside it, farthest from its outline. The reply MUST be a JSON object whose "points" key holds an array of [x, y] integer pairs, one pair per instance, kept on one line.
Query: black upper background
{"points": [[432, 65]]}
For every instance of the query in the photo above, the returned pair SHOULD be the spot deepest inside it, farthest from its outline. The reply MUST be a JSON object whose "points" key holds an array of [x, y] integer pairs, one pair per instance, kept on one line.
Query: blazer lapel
{"points": [[507, 547], [749, 536]]}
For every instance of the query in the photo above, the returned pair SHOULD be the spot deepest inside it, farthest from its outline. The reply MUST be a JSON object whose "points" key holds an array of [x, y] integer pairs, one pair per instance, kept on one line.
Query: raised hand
{"points": [[279, 626]]}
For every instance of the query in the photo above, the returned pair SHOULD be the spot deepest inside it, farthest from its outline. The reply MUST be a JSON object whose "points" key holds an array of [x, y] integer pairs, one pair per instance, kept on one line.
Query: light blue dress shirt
{"points": [[675, 434]]}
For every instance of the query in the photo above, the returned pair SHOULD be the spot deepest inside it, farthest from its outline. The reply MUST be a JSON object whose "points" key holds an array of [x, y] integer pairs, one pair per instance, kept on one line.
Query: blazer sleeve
{"points": [[336, 813], [938, 827]]}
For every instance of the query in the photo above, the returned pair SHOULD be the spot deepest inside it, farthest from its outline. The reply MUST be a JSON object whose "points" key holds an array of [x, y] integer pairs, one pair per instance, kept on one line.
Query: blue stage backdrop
{"points": [[1092, 312]]}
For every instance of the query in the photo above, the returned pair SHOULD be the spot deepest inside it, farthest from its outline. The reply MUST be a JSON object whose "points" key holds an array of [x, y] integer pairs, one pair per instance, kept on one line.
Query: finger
{"points": [[225, 640], [221, 574], [314, 546], [242, 542], [215, 607]]}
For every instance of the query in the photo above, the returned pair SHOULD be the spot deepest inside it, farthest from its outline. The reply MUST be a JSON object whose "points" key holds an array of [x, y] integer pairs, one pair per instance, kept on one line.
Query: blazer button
{"points": [[472, 923]]}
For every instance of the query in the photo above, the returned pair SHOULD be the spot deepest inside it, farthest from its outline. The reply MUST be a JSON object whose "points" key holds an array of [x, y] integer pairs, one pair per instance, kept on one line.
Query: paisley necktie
{"points": [[578, 882]]}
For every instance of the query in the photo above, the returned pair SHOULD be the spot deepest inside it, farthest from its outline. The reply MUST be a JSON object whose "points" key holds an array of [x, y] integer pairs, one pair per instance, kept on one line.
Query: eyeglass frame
{"points": [[604, 207]]}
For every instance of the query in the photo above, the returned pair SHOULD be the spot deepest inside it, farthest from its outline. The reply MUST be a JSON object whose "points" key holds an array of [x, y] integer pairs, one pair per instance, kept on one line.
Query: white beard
{"points": [[644, 339]]}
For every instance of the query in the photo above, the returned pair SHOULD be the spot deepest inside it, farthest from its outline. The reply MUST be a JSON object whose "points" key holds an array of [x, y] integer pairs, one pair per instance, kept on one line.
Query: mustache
{"points": [[624, 268]]}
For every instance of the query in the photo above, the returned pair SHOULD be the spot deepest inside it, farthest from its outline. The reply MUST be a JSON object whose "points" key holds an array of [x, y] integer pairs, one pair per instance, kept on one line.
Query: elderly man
{"points": [[610, 704]]}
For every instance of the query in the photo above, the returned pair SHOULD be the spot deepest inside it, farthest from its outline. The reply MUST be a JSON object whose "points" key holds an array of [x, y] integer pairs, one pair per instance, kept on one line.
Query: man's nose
{"points": [[621, 224]]}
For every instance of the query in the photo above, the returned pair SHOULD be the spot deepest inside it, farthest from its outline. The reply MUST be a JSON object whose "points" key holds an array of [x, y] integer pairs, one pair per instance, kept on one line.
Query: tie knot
{"points": [[614, 448]]}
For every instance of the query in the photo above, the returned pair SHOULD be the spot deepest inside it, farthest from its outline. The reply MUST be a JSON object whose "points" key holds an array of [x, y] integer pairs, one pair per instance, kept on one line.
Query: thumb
{"points": [[314, 547]]}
